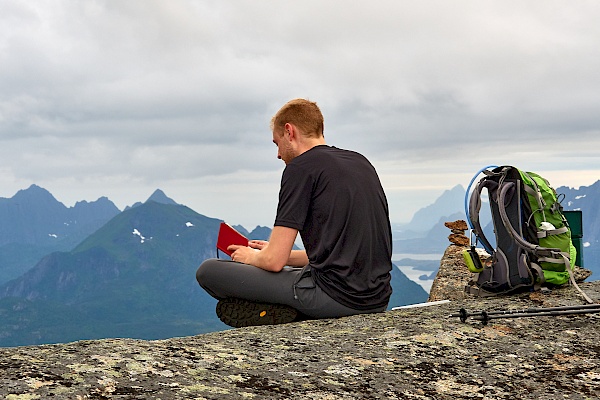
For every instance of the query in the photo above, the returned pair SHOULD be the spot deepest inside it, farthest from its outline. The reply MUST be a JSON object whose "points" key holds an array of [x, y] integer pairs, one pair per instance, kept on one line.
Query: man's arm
{"points": [[277, 254], [298, 258]]}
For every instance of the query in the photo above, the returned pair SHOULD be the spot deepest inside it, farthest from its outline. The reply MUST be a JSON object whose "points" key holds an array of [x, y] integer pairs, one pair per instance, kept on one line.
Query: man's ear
{"points": [[290, 131]]}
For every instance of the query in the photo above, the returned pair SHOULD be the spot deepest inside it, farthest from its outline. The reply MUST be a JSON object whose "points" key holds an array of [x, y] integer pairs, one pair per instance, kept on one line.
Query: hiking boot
{"points": [[239, 313]]}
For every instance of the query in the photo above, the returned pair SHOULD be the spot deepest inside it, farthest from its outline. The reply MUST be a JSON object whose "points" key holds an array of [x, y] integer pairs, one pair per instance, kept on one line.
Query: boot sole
{"points": [[239, 313]]}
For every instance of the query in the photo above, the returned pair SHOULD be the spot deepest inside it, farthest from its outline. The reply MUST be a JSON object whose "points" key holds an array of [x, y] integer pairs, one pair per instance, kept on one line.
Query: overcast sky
{"points": [[118, 98]]}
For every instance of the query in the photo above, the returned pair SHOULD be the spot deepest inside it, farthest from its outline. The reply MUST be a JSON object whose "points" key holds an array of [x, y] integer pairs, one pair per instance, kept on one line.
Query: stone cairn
{"points": [[453, 275], [458, 229]]}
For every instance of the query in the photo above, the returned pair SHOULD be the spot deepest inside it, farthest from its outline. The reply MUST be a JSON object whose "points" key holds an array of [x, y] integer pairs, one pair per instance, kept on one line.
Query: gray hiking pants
{"points": [[292, 286]]}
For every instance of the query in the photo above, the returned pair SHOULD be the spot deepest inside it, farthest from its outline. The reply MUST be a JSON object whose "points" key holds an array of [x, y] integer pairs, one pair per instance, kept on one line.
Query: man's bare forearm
{"points": [[298, 258]]}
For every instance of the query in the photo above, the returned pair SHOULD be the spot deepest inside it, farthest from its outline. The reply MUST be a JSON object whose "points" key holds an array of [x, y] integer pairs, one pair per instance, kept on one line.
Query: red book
{"points": [[228, 236]]}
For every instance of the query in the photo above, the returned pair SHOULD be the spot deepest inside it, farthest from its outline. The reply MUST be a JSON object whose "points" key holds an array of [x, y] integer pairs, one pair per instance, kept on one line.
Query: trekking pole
{"points": [[485, 316]]}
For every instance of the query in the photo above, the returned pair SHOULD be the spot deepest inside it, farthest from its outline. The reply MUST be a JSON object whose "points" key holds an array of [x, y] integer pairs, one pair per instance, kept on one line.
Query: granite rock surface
{"points": [[409, 353]]}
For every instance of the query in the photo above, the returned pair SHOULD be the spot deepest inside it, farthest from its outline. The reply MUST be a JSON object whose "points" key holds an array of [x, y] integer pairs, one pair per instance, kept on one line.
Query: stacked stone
{"points": [[458, 229]]}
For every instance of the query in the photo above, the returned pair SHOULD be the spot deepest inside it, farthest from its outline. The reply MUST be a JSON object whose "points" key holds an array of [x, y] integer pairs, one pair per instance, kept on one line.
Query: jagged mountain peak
{"points": [[447, 204], [34, 223], [160, 197], [34, 193]]}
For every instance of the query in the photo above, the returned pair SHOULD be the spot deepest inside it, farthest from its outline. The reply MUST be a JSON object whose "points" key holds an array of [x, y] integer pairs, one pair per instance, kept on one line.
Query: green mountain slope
{"points": [[135, 277]]}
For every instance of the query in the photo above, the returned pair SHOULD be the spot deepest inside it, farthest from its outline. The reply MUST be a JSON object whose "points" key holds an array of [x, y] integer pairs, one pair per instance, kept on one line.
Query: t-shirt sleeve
{"points": [[294, 197]]}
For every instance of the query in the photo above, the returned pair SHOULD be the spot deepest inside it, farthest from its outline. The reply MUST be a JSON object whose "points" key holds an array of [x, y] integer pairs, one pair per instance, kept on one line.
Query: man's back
{"points": [[335, 199]]}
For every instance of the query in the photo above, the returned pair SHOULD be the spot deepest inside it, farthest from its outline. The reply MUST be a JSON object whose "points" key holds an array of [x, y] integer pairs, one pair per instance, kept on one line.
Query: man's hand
{"points": [[258, 244], [243, 254], [272, 255]]}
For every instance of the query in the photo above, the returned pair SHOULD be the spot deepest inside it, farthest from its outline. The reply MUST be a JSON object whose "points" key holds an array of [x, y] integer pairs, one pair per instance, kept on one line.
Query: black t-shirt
{"points": [[334, 198]]}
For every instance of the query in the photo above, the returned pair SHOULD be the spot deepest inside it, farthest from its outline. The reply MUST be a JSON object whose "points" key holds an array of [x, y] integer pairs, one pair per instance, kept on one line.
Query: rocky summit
{"points": [[408, 353]]}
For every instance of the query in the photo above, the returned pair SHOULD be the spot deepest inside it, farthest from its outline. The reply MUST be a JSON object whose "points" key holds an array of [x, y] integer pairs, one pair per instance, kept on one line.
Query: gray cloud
{"points": [[117, 98]]}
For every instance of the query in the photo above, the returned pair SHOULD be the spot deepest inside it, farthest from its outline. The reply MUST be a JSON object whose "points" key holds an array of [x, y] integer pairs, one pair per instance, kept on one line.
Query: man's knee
{"points": [[204, 271]]}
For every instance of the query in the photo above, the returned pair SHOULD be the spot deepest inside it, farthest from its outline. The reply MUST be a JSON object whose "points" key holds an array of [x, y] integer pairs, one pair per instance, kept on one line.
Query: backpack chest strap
{"points": [[544, 233]]}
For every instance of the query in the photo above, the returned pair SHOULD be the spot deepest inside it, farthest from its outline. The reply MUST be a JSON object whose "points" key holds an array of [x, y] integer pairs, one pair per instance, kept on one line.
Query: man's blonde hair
{"points": [[302, 113]]}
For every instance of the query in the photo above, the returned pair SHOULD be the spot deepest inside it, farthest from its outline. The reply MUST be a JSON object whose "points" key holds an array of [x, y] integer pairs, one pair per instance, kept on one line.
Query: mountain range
{"points": [[92, 271], [133, 276], [33, 224]]}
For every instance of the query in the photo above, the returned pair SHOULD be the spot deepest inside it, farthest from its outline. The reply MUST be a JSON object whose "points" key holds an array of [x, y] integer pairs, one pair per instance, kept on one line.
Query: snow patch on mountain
{"points": [[137, 233]]}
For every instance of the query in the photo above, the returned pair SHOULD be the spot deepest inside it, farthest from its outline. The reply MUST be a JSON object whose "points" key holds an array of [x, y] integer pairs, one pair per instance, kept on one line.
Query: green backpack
{"points": [[552, 228], [533, 239]]}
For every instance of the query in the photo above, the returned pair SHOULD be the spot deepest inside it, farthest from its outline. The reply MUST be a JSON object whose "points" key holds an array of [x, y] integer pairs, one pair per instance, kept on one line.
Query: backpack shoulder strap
{"points": [[474, 208]]}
